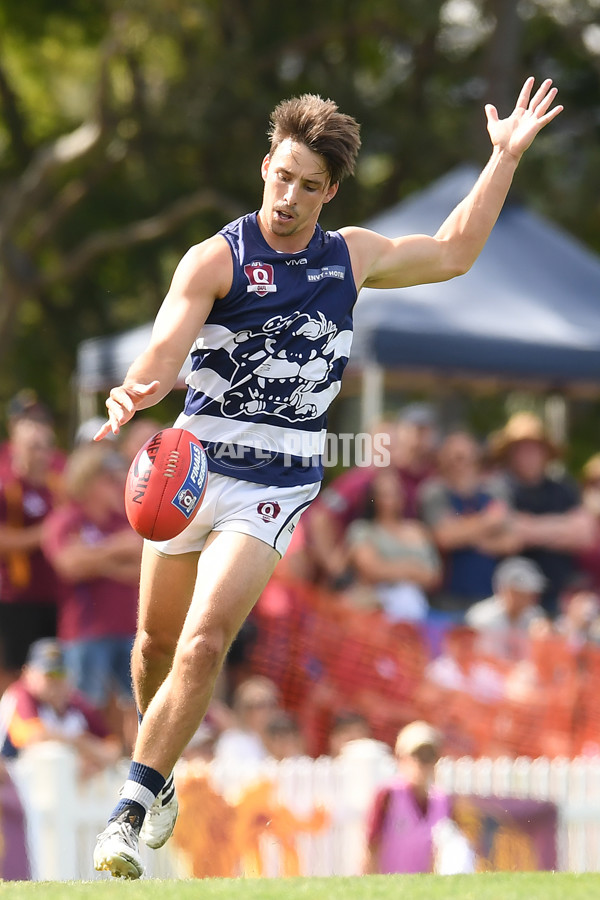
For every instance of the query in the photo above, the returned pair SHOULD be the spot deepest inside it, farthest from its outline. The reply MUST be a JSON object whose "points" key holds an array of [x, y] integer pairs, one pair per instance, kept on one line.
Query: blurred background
{"points": [[129, 131]]}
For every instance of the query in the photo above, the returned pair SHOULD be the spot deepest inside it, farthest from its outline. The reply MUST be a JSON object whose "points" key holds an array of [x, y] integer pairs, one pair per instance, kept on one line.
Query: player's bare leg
{"points": [[166, 591], [232, 572]]}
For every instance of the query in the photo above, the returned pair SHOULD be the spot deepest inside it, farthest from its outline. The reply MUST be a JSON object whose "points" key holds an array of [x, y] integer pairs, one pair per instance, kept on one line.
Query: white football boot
{"points": [[161, 817], [116, 849]]}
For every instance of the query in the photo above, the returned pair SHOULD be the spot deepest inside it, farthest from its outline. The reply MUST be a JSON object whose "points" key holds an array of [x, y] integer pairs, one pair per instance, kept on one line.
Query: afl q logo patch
{"points": [[268, 510], [261, 277], [187, 500]]}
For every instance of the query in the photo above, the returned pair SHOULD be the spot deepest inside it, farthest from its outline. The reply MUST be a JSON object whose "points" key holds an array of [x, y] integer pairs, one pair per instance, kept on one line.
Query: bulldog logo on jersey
{"points": [[261, 277], [283, 369]]}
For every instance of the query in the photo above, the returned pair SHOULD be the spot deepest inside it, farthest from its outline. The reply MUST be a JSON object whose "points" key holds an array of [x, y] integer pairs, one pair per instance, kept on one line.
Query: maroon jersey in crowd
{"points": [[26, 577], [98, 607]]}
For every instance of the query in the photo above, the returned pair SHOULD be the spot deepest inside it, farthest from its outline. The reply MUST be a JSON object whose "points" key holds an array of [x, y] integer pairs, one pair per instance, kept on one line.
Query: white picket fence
{"points": [[65, 815]]}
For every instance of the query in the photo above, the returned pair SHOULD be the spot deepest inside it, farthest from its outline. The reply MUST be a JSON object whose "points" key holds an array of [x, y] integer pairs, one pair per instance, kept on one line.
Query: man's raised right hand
{"points": [[122, 403]]}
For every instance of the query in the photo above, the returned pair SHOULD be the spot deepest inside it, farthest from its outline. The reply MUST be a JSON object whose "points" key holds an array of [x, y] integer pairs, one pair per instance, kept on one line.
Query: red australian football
{"points": [[165, 484]]}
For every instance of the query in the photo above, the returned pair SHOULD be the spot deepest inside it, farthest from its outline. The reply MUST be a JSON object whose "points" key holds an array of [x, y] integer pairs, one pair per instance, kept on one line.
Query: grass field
{"points": [[496, 886]]}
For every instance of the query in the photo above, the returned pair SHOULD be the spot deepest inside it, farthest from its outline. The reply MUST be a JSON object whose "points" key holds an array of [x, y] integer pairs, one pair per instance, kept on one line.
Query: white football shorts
{"points": [[230, 504]]}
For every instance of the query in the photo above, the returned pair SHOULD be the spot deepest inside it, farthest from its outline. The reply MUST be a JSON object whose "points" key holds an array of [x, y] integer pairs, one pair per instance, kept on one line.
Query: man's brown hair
{"points": [[318, 124]]}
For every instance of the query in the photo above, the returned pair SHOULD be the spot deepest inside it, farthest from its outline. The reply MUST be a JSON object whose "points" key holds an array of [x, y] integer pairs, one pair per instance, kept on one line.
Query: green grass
{"points": [[496, 886]]}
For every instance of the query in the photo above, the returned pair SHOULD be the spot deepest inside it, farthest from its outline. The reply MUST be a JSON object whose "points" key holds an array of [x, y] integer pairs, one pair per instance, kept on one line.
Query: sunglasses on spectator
{"points": [[266, 703]]}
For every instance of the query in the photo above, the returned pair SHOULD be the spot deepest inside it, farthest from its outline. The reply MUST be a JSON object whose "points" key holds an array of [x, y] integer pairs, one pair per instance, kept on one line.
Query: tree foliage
{"points": [[130, 129]]}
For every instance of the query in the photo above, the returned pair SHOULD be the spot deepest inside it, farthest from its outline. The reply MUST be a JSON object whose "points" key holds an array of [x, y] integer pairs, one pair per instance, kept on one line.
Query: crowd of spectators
{"points": [[488, 548], [484, 544], [448, 509], [69, 563]]}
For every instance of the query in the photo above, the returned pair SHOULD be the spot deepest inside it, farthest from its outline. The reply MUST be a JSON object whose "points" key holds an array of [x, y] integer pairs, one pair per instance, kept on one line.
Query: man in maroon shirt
{"points": [[28, 584], [97, 556]]}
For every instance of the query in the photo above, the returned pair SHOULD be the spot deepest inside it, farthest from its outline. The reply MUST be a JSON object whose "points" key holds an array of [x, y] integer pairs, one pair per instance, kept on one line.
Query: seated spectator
{"points": [[508, 615], [28, 584], [400, 828], [140, 430], [460, 667], [201, 748], [579, 620], [97, 556], [589, 557], [411, 443], [552, 526], [347, 726], [42, 705], [254, 702], [469, 520], [283, 737], [393, 558]]}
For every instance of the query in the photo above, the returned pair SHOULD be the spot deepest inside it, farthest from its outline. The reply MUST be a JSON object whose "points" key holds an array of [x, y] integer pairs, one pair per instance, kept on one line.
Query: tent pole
{"points": [[371, 400]]}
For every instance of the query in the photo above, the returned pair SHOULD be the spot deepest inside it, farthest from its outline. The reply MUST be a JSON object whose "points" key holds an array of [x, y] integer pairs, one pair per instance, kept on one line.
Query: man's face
{"points": [[296, 187], [528, 460], [32, 446], [517, 600], [418, 769], [459, 454], [52, 688]]}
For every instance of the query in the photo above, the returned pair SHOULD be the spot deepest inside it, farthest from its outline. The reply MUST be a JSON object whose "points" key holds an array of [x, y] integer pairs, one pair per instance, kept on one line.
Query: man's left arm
{"points": [[382, 262]]}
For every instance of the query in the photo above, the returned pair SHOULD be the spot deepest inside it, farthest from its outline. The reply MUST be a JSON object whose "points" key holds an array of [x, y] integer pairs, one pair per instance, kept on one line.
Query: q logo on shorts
{"points": [[268, 510]]}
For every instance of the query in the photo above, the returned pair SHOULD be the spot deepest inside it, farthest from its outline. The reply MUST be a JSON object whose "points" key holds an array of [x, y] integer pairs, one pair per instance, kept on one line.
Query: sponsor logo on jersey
{"points": [[261, 277], [326, 272], [297, 262], [268, 510]]}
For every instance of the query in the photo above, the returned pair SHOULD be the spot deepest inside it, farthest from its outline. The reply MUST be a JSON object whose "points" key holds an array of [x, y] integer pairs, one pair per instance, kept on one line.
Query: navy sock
{"points": [[139, 791], [169, 786]]}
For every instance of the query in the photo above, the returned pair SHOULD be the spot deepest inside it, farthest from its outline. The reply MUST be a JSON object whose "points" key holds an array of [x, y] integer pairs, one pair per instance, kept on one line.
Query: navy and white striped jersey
{"points": [[269, 359]]}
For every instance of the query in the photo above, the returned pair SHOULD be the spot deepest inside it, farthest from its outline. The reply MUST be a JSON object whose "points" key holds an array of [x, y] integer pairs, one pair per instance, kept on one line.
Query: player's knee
{"points": [[203, 654], [154, 647]]}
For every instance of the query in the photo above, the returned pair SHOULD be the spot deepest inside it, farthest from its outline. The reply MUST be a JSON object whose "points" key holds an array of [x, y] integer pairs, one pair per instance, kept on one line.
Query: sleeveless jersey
{"points": [[269, 359]]}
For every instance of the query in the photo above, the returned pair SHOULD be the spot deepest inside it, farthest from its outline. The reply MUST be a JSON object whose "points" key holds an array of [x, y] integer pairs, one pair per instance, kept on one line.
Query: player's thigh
{"points": [[166, 591], [233, 570]]}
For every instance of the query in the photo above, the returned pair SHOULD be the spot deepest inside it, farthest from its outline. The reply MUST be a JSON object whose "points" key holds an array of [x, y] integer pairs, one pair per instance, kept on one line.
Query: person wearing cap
{"points": [[551, 526], [410, 441], [404, 813], [42, 705], [518, 585], [97, 555]]}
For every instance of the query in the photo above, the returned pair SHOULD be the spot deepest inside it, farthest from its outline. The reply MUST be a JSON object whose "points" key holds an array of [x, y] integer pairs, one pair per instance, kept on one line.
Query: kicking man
{"points": [[265, 308]]}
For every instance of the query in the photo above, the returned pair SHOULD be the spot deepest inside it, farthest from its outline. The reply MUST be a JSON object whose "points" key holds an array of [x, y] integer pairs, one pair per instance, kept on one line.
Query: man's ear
{"points": [[331, 192], [264, 167]]}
